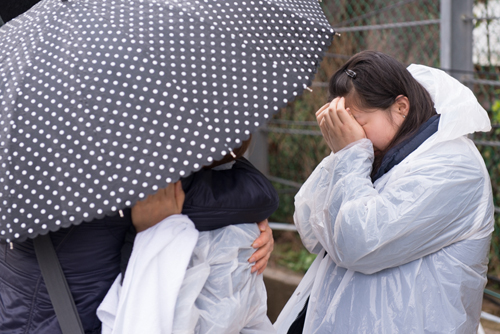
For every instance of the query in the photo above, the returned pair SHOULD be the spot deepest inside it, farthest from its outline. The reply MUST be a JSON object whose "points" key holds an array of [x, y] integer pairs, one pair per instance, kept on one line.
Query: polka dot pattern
{"points": [[103, 102]]}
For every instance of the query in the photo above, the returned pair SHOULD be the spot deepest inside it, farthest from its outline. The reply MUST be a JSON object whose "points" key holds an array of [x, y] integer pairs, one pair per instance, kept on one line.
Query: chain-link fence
{"points": [[486, 86], [410, 31]]}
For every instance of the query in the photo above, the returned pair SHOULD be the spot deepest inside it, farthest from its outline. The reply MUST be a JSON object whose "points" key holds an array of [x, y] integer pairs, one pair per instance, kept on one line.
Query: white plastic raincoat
{"points": [[219, 294], [216, 294], [407, 254]]}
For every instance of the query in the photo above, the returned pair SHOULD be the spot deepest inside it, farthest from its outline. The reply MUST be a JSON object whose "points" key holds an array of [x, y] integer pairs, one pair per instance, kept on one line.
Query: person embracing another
{"points": [[193, 272], [401, 213]]}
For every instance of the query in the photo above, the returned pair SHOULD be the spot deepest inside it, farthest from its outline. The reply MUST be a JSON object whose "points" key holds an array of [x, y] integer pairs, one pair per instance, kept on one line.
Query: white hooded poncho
{"points": [[407, 254]]}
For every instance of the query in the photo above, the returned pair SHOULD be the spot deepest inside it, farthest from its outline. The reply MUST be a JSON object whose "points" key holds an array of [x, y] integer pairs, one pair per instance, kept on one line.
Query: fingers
{"points": [[260, 265], [261, 257], [331, 118], [320, 114], [339, 116], [266, 235], [328, 119], [336, 110], [263, 225], [327, 133], [322, 109], [344, 116], [265, 245], [333, 114], [342, 113]]}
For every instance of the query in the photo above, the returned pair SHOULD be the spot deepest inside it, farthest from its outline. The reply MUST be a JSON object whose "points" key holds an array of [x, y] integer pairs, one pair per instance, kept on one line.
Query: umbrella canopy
{"points": [[103, 102]]}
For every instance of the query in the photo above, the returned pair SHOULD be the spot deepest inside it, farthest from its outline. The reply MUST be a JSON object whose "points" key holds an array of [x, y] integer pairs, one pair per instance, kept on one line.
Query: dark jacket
{"points": [[217, 198], [90, 253]]}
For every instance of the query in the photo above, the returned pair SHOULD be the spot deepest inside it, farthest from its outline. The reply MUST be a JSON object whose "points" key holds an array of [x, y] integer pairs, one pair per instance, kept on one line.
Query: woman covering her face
{"points": [[401, 213]]}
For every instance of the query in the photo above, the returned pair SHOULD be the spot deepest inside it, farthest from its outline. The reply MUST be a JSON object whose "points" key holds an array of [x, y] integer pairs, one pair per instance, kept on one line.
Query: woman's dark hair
{"points": [[376, 81], [238, 153]]}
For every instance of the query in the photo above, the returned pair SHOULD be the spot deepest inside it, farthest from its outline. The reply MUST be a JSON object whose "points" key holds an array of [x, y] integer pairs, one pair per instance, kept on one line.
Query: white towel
{"points": [[145, 303]]}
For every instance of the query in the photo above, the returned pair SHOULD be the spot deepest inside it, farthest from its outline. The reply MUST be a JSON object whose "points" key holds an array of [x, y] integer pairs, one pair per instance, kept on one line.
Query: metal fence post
{"points": [[258, 152], [456, 38]]}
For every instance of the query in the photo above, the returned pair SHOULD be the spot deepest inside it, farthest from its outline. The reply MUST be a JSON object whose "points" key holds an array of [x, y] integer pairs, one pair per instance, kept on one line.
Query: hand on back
{"points": [[265, 245]]}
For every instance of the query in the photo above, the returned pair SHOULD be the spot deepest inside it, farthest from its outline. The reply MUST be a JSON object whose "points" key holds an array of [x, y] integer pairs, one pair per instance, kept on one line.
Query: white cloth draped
{"points": [[146, 301]]}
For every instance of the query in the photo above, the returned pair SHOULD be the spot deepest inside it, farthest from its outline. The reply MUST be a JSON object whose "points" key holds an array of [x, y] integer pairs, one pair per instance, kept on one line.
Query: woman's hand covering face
{"points": [[338, 126], [265, 245], [166, 202]]}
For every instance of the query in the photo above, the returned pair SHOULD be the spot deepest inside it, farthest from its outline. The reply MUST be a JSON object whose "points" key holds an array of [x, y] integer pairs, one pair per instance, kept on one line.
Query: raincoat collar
{"points": [[399, 152]]}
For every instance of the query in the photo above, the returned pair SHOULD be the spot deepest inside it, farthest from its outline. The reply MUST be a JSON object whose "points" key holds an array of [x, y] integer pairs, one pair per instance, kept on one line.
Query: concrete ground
{"points": [[489, 331], [494, 329], [489, 326]]}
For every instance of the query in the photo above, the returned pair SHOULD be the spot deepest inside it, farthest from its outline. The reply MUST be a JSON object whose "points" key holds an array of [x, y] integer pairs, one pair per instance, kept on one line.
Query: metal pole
{"points": [[456, 38], [445, 32], [257, 154]]}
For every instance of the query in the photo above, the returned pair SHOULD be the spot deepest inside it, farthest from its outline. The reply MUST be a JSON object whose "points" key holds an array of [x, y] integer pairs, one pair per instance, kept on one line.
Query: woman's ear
{"points": [[402, 105]]}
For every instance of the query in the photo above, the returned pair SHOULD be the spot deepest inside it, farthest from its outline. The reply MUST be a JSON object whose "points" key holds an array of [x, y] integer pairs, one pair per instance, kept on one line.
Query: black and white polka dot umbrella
{"points": [[105, 101]]}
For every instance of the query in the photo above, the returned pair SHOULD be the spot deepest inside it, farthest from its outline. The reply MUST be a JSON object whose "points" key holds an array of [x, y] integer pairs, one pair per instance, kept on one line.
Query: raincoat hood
{"points": [[461, 113]]}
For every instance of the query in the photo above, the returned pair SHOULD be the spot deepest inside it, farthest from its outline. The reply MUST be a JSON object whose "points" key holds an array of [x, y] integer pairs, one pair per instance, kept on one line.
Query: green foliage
{"points": [[297, 261], [290, 253], [494, 255], [491, 156], [495, 109], [286, 208]]}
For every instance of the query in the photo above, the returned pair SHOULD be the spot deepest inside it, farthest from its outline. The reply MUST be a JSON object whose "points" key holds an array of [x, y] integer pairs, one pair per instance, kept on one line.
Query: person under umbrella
{"points": [[90, 256], [219, 293]]}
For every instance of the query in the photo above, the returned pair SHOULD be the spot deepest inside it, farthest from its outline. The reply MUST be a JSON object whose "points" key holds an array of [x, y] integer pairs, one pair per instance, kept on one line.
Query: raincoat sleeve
{"points": [[436, 201]]}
